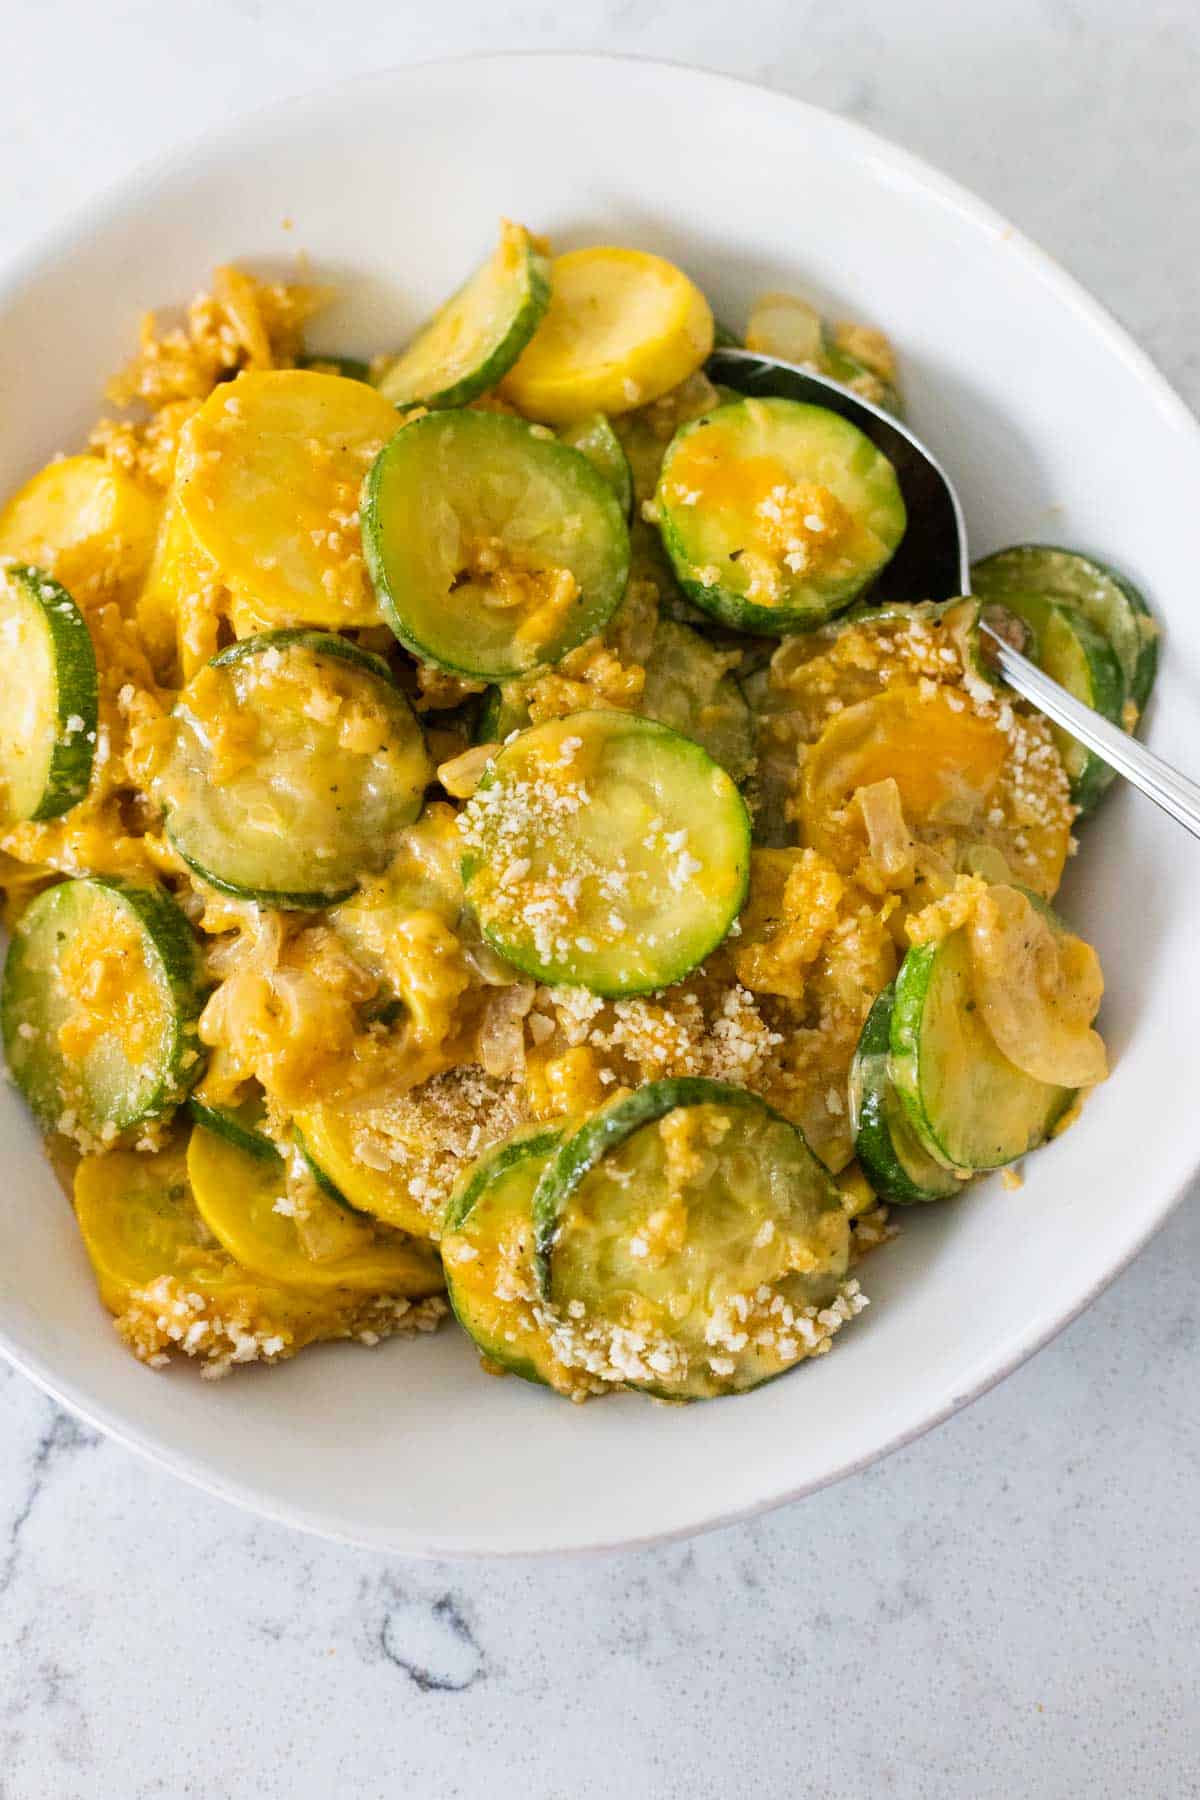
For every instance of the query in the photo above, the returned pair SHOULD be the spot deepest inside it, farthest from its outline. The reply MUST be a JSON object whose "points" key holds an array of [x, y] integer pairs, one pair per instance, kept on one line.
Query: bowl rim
{"points": [[91, 219]]}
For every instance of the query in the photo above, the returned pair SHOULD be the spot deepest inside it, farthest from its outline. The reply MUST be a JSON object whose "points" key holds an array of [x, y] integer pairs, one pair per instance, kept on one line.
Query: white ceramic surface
{"points": [[1055, 426]]}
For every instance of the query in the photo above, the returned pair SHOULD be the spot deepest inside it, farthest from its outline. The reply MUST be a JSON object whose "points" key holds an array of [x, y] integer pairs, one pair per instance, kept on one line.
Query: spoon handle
{"points": [[1149, 773]]}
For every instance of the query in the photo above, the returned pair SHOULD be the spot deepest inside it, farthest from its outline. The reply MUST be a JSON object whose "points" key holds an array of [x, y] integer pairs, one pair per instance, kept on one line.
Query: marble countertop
{"points": [[1006, 1607]]}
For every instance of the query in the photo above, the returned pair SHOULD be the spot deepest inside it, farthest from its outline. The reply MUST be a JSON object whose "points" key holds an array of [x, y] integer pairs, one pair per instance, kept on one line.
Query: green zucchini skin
{"points": [[322, 644], [172, 956], [1078, 655], [350, 368], [895, 1163], [285, 899], [503, 712], [636, 962], [1145, 673], [72, 705], [325, 1183], [1001, 1113], [521, 297], [595, 438], [532, 1142], [458, 459], [237, 1125], [535, 1140], [1108, 599], [704, 549], [327, 1187], [603, 1135]]}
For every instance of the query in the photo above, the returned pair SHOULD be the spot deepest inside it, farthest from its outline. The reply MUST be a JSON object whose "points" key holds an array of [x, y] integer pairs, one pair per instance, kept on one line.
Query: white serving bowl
{"points": [[1055, 426]]}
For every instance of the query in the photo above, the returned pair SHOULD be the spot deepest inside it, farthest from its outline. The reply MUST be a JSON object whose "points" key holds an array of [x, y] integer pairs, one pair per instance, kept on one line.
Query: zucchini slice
{"points": [[402, 927], [294, 762], [268, 477], [605, 851], [487, 1255], [478, 335], [695, 1239], [49, 697], [241, 1125], [494, 549], [690, 687], [895, 1162], [238, 1195], [970, 1108], [103, 987], [776, 514], [595, 438], [623, 327], [1109, 601], [1080, 657]]}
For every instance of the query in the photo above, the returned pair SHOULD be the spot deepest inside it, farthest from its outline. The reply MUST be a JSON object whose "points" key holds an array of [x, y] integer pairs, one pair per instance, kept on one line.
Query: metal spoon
{"points": [[933, 563]]}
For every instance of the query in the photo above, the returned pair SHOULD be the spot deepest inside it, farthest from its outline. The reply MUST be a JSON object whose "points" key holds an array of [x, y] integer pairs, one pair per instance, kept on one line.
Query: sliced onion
{"points": [[1038, 988]]}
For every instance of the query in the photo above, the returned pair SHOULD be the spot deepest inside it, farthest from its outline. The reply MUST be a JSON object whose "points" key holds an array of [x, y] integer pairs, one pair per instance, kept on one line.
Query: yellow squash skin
{"points": [[88, 524], [238, 1198], [623, 327], [389, 1043], [171, 1287], [268, 479]]}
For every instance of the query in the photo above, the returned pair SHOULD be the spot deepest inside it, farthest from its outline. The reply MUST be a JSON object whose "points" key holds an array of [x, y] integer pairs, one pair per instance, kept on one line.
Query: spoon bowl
{"points": [[933, 563]]}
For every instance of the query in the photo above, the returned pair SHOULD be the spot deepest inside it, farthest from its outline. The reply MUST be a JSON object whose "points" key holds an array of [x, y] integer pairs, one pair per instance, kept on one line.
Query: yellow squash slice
{"points": [[238, 1196], [622, 328], [170, 1284], [138, 1222], [957, 778], [86, 523], [268, 478], [945, 764], [178, 628], [333, 1138]]}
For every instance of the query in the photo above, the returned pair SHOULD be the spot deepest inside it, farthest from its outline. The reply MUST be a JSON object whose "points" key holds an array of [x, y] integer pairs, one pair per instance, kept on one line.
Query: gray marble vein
{"points": [[59, 1439], [1004, 1610]]}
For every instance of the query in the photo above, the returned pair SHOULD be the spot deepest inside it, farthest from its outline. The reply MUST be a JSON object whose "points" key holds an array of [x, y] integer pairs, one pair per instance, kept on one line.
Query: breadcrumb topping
{"points": [[167, 1316], [391, 1015]]}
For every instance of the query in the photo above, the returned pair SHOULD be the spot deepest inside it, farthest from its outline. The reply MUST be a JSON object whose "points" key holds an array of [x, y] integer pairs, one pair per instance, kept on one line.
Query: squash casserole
{"points": [[472, 841]]}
